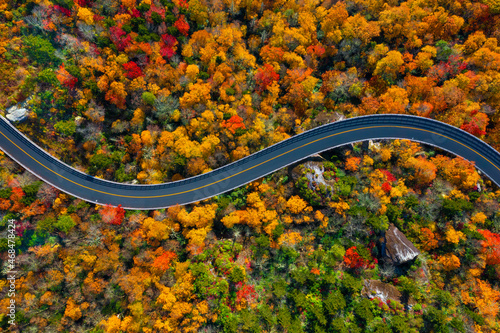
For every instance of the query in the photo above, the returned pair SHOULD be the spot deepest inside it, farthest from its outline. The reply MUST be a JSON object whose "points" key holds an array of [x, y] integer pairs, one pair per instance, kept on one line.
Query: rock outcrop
{"points": [[20, 111], [316, 174], [381, 290], [16, 113], [396, 248]]}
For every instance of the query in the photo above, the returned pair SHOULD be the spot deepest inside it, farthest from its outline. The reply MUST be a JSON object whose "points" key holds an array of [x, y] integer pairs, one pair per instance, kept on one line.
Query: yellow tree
{"points": [[395, 100], [358, 27], [396, 22], [199, 93], [453, 236], [389, 66], [332, 22], [422, 171], [458, 171], [352, 164], [449, 262], [72, 311], [296, 204]]}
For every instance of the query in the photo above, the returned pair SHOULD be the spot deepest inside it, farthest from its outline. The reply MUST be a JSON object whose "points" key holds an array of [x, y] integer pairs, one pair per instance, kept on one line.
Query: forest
{"points": [[155, 91]]}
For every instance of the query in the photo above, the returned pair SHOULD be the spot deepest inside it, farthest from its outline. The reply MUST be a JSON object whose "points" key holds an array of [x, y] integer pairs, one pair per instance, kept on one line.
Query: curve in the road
{"points": [[250, 168]]}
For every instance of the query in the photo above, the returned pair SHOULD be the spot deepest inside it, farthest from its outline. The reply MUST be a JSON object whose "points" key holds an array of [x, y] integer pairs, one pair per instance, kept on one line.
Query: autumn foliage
{"points": [[112, 215], [157, 91], [265, 76], [65, 78], [353, 260], [234, 123], [133, 71], [491, 247], [163, 261]]}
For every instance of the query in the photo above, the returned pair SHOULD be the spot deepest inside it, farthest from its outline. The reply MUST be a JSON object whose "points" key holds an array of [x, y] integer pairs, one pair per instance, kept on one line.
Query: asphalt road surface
{"points": [[250, 168]]}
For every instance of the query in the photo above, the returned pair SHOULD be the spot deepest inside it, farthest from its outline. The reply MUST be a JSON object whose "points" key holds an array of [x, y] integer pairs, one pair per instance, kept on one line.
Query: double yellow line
{"points": [[250, 168]]}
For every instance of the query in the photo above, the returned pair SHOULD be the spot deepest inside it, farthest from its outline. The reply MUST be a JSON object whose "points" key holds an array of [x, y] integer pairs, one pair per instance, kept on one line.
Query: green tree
{"points": [[64, 223], [454, 207], [148, 98], [30, 192], [237, 274], [99, 162], [351, 285], [335, 302], [41, 50], [65, 128], [47, 224], [279, 288], [48, 76], [399, 324], [437, 319], [363, 311]]}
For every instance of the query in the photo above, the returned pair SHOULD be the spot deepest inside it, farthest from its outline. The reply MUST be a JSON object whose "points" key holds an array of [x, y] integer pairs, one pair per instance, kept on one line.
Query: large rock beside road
{"points": [[396, 248], [16, 113]]}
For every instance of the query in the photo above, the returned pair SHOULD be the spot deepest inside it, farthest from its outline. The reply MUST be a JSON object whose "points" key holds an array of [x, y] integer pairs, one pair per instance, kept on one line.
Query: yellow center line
{"points": [[250, 168]]}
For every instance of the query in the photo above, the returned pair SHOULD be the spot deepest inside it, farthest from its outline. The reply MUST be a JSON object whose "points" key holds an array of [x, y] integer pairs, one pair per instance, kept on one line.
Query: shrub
{"points": [[65, 128], [99, 162], [47, 224], [148, 98], [237, 274], [48, 76], [5, 193]]}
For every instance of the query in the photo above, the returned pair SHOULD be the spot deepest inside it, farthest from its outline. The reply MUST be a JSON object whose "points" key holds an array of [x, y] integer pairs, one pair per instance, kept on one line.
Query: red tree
{"points": [[112, 215], [65, 78], [386, 187], [477, 123], [491, 246], [163, 262], [119, 38], [246, 292], [167, 47], [132, 69], [390, 176], [317, 50], [16, 196], [233, 123], [182, 25], [353, 260], [265, 76]]}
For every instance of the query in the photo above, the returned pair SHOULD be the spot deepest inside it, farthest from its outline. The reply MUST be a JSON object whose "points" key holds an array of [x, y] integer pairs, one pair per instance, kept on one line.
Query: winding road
{"points": [[250, 168]]}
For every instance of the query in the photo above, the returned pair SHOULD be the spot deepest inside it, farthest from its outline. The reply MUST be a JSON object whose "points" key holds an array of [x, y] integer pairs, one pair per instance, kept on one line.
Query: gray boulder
{"points": [[16, 113], [396, 248], [384, 291]]}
